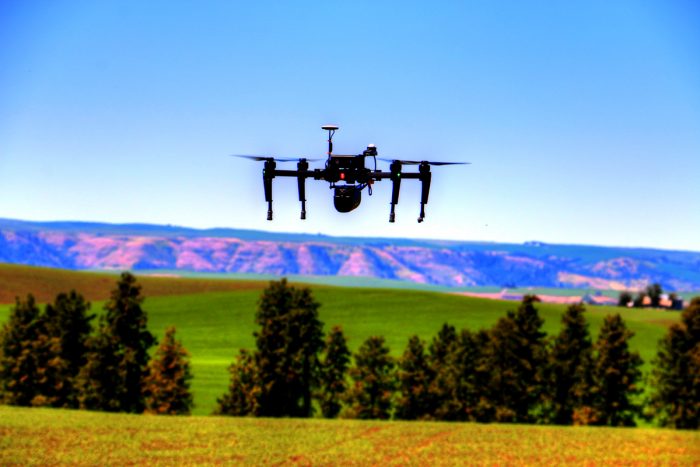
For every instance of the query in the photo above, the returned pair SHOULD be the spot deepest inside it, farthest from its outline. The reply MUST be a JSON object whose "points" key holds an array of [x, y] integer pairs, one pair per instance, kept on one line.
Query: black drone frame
{"points": [[351, 170]]}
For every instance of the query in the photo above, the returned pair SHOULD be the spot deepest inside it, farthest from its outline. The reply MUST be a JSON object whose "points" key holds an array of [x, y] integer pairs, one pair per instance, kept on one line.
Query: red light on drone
{"points": [[342, 176]]}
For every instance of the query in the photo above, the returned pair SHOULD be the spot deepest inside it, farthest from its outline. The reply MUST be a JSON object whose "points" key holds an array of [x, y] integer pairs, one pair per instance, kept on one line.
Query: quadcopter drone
{"points": [[348, 176]]}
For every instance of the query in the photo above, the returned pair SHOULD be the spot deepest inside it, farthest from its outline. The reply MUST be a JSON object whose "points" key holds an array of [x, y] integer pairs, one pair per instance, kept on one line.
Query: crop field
{"points": [[63, 437], [214, 325]]}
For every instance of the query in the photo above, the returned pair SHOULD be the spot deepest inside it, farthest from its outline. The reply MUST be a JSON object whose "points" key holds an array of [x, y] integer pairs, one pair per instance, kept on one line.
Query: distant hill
{"points": [[99, 246]]}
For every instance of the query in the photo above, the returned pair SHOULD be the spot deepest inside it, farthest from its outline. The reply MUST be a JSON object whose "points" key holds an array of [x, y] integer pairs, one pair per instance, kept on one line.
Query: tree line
{"points": [[57, 358], [512, 372], [652, 297]]}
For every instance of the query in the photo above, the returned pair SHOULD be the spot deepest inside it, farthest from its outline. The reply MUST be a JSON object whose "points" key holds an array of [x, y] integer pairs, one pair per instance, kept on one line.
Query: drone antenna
{"points": [[331, 131]]}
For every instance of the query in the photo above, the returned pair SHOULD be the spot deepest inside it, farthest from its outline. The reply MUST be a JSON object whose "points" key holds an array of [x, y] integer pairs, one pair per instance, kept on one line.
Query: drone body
{"points": [[348, 176]]}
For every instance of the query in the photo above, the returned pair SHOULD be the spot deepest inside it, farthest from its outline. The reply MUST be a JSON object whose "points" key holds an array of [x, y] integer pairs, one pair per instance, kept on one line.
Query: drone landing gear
{"points": [[425, 176], [395, 187], [268, 175], [302, 167]]}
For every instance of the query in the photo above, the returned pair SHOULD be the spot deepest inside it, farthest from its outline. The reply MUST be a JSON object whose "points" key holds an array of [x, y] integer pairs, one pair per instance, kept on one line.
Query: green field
{"points": [[214, 318], [214, 325], [64, 437]]}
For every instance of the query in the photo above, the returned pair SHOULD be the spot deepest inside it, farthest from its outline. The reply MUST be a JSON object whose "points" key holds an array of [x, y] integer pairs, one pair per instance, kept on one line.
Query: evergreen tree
{"points": [[570, 367], [30, 360], [471, 400], [68, 321], [624, 299], [334, 371], [288, 344], [243, 391], [676, 373], [117, 361], [442, 382], [638, 301], [415, 375], [654, 292], [167, 385], [374, 381], [518, 357], [616, 375]]}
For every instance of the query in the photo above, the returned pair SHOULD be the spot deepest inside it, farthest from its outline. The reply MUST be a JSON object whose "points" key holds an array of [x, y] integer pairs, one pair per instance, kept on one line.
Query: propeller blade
{"points": [[276, 159], [407, 162]]}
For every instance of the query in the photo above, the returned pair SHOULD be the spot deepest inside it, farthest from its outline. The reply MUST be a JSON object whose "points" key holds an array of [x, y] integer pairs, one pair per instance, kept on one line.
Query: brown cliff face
{"points": [[441, 263]]}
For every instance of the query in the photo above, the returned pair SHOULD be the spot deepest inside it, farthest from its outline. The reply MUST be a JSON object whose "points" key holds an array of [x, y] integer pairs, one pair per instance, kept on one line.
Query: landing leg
{"points": [[425, 177], [302, 167], [268, 175], [395, 187]]}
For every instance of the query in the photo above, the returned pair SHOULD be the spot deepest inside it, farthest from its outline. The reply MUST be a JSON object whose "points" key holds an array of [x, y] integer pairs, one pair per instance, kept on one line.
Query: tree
{"points": [[68, 321], [676, 373], [117, 361], [288, 345], [167, 386], [654, 292], [443, 381], [243, 391], [624, 299], [471, 364], [615, 374], [638, 301], [571, 360], [517, 356], [334, 371], [374, 381], [415, 375], [30, 363]]}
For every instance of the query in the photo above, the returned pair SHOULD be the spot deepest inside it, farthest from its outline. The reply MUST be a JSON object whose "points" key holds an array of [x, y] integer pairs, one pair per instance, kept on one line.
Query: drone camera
{"points": [[346, 198]]}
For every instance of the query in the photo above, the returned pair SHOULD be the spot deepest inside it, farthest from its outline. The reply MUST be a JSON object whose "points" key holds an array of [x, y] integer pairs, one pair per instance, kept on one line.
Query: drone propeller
{"points": [[272, 158], [405, 162]]}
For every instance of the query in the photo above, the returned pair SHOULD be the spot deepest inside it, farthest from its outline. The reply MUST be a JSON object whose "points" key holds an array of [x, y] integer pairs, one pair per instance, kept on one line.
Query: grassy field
{"points": [[62, 437], [45, 283], [214, 325]]}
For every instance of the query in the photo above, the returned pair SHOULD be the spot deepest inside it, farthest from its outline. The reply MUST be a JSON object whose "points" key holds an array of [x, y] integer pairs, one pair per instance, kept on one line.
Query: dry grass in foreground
{"points": [[60, 437]]}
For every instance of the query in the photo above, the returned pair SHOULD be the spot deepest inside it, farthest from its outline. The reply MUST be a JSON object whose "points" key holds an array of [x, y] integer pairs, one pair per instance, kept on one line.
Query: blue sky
{"points": [[581, 119]]}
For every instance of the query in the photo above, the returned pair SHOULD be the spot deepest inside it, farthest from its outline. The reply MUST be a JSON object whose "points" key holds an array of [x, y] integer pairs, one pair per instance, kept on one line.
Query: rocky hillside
{"points": [[144, 247]]}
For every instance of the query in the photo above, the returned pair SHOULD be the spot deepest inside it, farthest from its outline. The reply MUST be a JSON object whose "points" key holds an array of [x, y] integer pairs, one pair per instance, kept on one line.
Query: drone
{"points": [[347, 176]]}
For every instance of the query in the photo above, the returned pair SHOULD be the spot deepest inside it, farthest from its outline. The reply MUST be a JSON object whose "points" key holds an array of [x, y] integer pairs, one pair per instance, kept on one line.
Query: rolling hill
{"points": [[93, 246]]}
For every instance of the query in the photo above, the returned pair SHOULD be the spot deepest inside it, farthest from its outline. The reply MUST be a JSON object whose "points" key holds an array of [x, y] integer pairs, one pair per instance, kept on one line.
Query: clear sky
{"points": [[581, 119]]}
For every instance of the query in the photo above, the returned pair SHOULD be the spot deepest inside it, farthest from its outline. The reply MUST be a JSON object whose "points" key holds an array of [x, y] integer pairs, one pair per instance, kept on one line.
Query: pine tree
{"points": [[624, 299], [570, 367], [68, 321], [442, 382], [415, 375], [518, 357], [29, 358], [334, 371], [244, 387], [167, 386], [117, 361], [654, 292], [472, 373], [374, 381], [616, 375], [676, 373], [288, 344]]}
